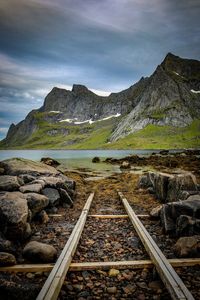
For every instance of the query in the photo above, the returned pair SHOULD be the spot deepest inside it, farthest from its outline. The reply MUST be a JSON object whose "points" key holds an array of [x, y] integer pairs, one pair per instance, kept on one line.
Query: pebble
{"points": [[144, 274], [141, 297], [129, 289], [113, 272], [30, 275], [112, 290], [155, 285], [78, 287], [142, 285]]}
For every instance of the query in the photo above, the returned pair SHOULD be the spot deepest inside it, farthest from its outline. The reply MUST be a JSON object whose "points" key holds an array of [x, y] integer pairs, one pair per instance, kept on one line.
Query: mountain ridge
{"points": [[169, 97]]}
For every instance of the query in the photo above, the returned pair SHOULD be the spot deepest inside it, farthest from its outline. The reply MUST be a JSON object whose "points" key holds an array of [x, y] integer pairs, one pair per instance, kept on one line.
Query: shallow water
{"points": [[72, 154], [78, 159]]}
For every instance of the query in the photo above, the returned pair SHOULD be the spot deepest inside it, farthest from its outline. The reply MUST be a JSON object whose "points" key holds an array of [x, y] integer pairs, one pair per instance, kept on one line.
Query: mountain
{"points": [[166, 104], [171, 97]]}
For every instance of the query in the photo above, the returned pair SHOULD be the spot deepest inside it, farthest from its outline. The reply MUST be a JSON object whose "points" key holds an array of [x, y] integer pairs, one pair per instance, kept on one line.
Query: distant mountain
{"points": [[169, 98]]}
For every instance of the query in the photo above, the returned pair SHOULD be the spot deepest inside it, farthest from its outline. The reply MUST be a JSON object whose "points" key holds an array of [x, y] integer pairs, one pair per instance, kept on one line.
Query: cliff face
{"points": [[81, 104], [170, 96]]}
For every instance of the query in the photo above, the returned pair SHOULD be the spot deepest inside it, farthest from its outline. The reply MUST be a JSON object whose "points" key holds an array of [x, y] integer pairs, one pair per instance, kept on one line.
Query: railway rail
{"points": [[58, 271]]}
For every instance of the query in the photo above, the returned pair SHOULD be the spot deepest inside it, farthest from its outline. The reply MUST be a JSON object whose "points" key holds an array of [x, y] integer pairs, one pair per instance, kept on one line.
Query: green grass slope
{"points": [[96, 136]]}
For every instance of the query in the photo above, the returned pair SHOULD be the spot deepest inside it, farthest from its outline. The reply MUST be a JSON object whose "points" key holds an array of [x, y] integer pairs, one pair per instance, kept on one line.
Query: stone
{"points": [[125, 165], [39, 252], [167, 187], [164, 152], [155, 285], [96, 159], [13, 215], [13, 289], [17, 166], [65, 197], [30, 275], [2, 171], [42, 217], [112, 290], [36, 202], [39, 181], [188, 246], [6, 245], [147, 180], [7, 259], [59, 181], [113, 273], [28, 188], [9, 183], [133, 241], [129, 289], [156, 211], [27, 232], [52, 181], [50, 161], [68, 184], [53, 196], [151, 190], [179, 183], [187, 226], [26, 178], [51, 210], [78, 287], [184, 195], [161, 186], [170, 212]]}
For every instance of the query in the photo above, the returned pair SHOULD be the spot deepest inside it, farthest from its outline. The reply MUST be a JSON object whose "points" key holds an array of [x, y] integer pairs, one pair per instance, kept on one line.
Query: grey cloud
{"points": [[106, 45]]}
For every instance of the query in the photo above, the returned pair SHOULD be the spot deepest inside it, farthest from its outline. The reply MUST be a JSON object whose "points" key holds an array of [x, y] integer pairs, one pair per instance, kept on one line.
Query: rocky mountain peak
{"points": [[78, 88]]}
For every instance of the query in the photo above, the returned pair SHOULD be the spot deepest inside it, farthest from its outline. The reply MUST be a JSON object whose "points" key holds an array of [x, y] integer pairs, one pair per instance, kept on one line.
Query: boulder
{"points": [[39, 252], [96, 159], [26, 178], [170, 212], [52, 181], [53, 196], [147, 180], [36, 202], [65, 197], [186, 194], [59, 181], [161, 186], [17, 166], [168, 187], [34, 188], [50, 161], [188, 246], [13, 215], [125, 165], [39, 181], [9, 183], [68, 184], [7, 259], [187, 226], [179, 183]]}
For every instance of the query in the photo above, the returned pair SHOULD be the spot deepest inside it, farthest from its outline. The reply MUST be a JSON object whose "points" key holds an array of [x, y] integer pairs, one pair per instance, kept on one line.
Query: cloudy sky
{"points": [[106, 45]]}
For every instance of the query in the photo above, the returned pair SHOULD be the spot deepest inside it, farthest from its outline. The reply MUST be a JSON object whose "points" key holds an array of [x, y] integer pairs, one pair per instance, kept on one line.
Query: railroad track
{"points": [[58, 272]]}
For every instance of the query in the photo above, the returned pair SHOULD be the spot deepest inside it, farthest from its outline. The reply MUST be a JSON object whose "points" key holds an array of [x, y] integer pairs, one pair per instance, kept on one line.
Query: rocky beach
{"points": [[39, 207]]}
